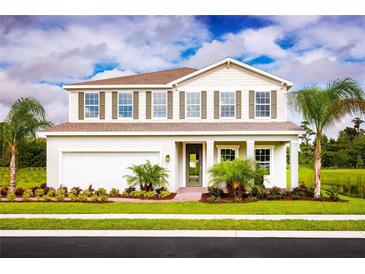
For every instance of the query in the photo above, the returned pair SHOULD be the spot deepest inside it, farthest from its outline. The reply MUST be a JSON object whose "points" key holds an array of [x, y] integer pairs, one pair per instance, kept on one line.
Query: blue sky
{"points": [[40, 53]]}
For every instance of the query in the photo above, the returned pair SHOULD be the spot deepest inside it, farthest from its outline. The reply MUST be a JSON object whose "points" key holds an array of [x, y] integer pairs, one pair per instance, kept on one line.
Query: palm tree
{"points": [[240, 175], [357, 123], [147, 176], [25, 118], [322, 107]]}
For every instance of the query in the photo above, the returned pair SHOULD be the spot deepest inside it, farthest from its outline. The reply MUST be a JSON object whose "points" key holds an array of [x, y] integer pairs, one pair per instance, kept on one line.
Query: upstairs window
{"points": [[193, 104], [125, 108], [263, 156], [263, 104], [91, 105], [159, 102], [227, 103]]}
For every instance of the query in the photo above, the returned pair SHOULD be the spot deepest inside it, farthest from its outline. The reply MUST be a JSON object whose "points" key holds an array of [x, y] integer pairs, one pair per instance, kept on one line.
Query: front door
{"points": [[194, 164]]}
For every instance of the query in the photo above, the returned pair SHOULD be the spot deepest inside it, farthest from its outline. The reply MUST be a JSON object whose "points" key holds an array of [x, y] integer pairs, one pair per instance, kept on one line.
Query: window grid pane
{"points": [[91, 105], [263, 157], [227, 104], [125, 105], [159, 105], [228, 154], [193, 104], [263, 104]]}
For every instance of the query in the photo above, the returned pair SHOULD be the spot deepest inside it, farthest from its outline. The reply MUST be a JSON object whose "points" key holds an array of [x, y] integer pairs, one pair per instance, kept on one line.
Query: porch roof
{"points": [[175, 127]]}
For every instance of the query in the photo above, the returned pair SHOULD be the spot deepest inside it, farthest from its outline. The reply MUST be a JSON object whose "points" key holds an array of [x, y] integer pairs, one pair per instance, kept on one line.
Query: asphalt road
{"points": [[127, 247]]}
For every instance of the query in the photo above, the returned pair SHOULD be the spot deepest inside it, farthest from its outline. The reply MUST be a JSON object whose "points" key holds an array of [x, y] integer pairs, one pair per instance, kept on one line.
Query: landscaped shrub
{"points": [[95, 197], [100, 195], [129, 189], [65, 190], [39, 193], [47, 197], [301, 191], [164, 194], [4, 191], [73, 194], [215, 191], [10, 196], [257, 191], [137, 193], [19, 191], [150, 194], [27, 194], [60, 195], [160, 189], [275, 193], [216, 199], [76, 190], [90, 190], [147, 176], [51, 193], [332, 193], [83, 196], [114, 192]]}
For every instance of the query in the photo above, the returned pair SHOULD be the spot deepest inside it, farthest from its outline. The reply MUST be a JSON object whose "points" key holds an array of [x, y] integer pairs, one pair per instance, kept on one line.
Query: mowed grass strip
{"points": [[142, 224], [25, 177], [353, 206]]}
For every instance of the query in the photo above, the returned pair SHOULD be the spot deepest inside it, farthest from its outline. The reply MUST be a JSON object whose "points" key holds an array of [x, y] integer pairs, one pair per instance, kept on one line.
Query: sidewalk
{"points": [[187, 216], [184, 233]]}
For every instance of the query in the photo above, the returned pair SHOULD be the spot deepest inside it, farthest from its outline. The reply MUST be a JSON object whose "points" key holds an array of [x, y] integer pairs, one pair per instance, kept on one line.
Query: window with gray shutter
{"points": [[102, 105], [182, 104], [148, 104], [81, 106], [238, 104], [135, 104], [169, 104], [204, 104], [114, 104], [216, 104], [251, 103], [273, 104]]}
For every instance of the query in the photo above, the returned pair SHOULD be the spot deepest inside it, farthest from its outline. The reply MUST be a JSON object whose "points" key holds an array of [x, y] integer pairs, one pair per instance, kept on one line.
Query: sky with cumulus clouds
{"points": [[40, 53]]}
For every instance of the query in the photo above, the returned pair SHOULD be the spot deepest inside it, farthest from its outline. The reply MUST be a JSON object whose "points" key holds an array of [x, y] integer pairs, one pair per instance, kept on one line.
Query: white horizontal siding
{"points": [[221, 78]]}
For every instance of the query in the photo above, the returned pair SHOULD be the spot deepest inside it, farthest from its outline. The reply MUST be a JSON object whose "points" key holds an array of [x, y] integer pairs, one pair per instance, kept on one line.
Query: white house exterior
{"points": [[184, 119]]}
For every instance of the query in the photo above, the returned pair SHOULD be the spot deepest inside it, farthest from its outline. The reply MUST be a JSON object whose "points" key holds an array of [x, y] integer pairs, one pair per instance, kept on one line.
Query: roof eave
{"points": [[150, 86]]}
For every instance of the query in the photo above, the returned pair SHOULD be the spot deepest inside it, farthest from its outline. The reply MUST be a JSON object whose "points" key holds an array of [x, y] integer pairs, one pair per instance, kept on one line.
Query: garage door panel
{"points": [[101, 169]]}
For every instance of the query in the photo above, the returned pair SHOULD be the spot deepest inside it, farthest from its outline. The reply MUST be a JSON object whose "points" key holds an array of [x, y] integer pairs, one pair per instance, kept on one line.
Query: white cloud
{"points": [[111, 74]]}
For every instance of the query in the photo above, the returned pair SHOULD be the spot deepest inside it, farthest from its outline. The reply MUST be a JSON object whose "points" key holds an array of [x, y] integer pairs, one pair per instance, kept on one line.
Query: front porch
{"points": [[194, 158]]}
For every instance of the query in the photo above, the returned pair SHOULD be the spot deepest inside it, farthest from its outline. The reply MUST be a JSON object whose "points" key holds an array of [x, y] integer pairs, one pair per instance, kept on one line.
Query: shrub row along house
{"points": [[184, 119]]}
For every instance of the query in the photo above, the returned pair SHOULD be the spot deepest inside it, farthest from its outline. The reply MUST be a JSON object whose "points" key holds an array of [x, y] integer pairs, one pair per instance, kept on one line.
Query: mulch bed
{"points": [[229, 199], [172, 196]]}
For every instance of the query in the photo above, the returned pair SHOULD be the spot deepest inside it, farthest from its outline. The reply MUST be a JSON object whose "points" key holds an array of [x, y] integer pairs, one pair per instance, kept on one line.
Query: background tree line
{"points": [[346, 151]]}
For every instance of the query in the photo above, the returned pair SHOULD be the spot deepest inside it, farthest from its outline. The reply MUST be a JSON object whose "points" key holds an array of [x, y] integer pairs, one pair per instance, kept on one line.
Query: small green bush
{"points": [[73, 196], [39, 193], [51, 193], [275, 193], [10, 196], [137, 193], [83, 196], [114, 192], [47, 197], [60, 195], [4, 191], [332, 193], [215, 191], [27, 194], [165, 194], [95, 197], [129, 189], [150, 194]]}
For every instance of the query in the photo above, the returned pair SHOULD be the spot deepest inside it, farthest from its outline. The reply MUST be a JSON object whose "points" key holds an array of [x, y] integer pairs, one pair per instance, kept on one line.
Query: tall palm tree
{"points": [[357, 123], [25, 118], [323, 107]]}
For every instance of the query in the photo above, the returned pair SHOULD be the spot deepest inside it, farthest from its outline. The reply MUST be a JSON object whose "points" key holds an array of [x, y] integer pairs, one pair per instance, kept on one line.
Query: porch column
{"points": [[294, 146], [250, 149], [209, 160]]}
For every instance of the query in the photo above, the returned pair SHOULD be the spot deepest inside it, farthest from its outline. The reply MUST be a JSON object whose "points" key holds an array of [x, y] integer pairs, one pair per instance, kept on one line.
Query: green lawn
{"points": [[26, 177], [353, 206], [330, 176], [139, 224]]}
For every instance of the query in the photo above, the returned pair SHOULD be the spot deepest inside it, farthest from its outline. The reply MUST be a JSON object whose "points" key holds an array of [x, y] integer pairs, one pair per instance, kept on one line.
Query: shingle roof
{"points": [[173, 127], [153, 78]]}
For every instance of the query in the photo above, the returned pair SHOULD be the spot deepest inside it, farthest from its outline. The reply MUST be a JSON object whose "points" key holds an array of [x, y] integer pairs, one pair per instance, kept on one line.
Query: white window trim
{"points": [[220, 104], [92, 118], [236, 148], [159, 118], [125, 118], [186, 105], [271, 147], [267, 117]]}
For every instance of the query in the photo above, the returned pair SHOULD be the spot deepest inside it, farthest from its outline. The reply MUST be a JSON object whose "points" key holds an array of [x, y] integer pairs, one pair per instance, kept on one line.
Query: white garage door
{"points": [[101, 169]]}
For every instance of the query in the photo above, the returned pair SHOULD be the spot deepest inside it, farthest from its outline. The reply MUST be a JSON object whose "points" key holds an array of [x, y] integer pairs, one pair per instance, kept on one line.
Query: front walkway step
{"points": [[188, 196], [193, 189]]}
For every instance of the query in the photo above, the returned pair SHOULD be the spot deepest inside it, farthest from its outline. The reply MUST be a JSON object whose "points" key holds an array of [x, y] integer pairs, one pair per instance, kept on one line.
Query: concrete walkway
{"points": [[184, 233], [187, 216]]}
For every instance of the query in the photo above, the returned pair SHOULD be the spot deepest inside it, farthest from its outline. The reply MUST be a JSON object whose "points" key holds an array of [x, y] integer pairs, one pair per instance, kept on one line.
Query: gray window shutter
{"points": [[169, 104], [135, 104], [182, 104], [102, 105], [148, 104], [216, 104], [251, 107], [204, 104], [273, 103], [238, 104], [81, 106], [114, 104]]}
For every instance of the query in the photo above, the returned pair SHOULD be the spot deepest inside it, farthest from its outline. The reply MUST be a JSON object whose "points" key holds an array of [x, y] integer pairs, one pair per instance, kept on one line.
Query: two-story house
{"points": [[184, 119]]}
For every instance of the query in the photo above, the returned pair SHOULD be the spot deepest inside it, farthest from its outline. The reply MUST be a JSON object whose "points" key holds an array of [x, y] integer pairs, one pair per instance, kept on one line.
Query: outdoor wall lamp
{"points": [[167, 158]]}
